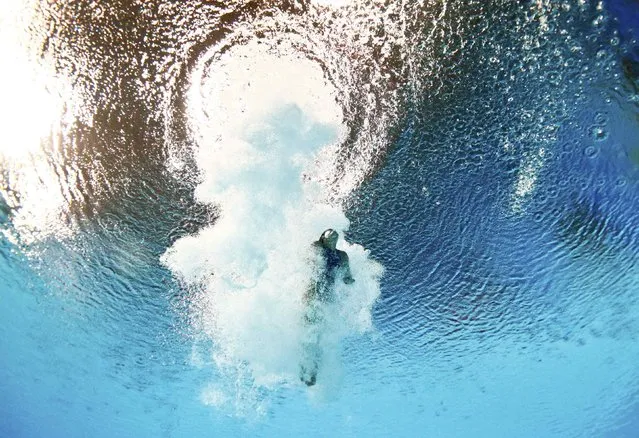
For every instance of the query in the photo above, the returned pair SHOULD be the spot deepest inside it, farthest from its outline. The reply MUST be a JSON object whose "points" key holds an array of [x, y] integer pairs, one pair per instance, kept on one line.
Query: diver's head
{"points": [[329, 238]]}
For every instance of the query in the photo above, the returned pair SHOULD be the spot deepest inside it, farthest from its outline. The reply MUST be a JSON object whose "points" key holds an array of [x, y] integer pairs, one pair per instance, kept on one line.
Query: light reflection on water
{"points": [[489, 166]]}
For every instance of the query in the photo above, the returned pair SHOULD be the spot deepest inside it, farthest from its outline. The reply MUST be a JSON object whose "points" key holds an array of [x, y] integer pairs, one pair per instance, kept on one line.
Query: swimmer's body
{"points": [[332, 264]]}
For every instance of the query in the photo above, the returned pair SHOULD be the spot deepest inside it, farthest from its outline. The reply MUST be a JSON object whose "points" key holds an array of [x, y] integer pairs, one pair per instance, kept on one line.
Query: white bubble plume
{"points": [[266, 123]]}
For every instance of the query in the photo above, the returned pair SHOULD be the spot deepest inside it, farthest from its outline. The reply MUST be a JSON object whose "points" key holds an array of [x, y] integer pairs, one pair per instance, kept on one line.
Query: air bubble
{"points": [[542, 198], [567, 147], [598, 133], [598, 22], [601, 117], [590, 151]]}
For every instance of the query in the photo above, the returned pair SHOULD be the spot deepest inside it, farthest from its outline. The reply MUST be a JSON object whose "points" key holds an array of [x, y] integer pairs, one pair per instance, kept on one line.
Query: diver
{"points": [[330, 264]]}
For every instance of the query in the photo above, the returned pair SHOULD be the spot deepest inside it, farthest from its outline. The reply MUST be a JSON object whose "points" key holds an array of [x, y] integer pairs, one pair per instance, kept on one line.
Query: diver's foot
{"points": [[310, 381]]}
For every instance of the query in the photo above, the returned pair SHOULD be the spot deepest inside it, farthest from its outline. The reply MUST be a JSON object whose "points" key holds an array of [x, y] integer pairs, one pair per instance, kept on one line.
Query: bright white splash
{"points": [[265, 122], [34, 99], [30, 106]]}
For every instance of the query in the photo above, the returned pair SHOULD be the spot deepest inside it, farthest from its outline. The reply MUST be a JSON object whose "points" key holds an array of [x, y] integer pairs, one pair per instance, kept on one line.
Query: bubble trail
{"points": [[267, 125]]}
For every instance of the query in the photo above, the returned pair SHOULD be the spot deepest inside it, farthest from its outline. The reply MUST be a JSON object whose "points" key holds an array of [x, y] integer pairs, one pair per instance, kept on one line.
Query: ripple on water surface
{"points": [[180, 156]]}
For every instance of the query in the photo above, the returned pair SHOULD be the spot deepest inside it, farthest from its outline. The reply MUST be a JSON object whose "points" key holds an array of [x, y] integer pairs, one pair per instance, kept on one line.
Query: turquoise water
{"points": [[165, 167]]}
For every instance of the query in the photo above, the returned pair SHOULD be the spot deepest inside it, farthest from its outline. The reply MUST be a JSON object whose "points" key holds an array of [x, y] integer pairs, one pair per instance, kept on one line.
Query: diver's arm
{"points": [[348, 277]]}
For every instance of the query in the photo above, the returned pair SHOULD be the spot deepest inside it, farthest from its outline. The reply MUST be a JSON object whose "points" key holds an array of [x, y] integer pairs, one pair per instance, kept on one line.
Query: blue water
{"points": [[501, 313]]}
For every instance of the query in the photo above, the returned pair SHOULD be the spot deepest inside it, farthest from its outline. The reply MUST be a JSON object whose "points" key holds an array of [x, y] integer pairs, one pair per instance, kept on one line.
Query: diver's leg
{"points": [[311, 350], [309, 365]]}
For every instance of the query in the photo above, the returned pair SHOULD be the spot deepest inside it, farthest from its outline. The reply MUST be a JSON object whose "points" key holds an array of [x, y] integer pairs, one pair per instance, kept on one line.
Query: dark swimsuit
{"points": [[332, 259], [321, 292]]}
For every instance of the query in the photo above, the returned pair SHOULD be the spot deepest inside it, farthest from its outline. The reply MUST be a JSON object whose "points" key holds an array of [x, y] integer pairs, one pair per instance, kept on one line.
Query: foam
{"points": [[266, 121]]}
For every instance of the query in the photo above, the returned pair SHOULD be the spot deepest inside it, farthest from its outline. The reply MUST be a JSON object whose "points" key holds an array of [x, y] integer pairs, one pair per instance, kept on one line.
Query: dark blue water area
{"points": [[463, 267], [626, 14], [435, 220]]}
